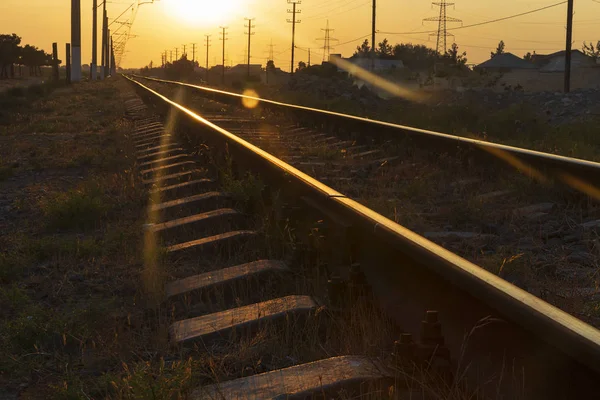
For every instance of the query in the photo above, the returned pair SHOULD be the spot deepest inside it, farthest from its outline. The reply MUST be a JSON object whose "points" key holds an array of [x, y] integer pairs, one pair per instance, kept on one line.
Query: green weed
{"points": [[80, 209], [48, 248], [5, 173], [247, 191], [146, 380], [12, 264]]}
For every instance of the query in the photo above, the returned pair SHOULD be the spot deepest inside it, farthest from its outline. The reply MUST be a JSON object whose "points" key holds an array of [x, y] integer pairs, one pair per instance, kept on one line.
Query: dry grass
{"points": [[70, 222]]}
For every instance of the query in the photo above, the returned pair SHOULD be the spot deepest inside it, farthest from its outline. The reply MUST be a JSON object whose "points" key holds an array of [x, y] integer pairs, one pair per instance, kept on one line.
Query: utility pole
{"points": [[194, 52], [250, 33], [373, 31], [106, 49], [326, 43], [108, 44], [94, 65], [442, 33], [68, 53], [171, 56], [223, 38], [568, 46], [76, 40], [176, 53], [293, 11], [55, 73], [207, 52], [103, 46], [113, 66], [309, 57], [184, 53]]}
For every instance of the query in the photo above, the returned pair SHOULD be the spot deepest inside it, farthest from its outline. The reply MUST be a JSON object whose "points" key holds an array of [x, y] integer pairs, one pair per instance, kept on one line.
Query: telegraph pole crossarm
{"points": [[207, 52], [223, 38], [250, 33], [194, 52], [293, 21]]}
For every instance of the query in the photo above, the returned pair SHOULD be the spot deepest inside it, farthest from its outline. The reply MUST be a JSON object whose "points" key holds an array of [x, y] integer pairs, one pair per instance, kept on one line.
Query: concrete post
{"points": [[76, 40]]}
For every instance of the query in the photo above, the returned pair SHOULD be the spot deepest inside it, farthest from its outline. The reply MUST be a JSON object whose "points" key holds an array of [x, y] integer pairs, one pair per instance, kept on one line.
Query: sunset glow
{"points": [[198, 12], [171, 24]]}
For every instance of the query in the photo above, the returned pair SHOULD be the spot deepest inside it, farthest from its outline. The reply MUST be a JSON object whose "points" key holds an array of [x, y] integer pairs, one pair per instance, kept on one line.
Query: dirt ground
{"points": [[70, 222]]}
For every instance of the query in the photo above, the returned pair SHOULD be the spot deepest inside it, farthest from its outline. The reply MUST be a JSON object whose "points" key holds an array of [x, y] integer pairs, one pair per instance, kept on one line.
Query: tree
{"points": [[529, 56], [385, 50], [34, 58], [363, 50], [180, 69], [9, 53], [301, 66], [499, 50], [455, 57], [591, 51], [415, 56], [270, 65]]}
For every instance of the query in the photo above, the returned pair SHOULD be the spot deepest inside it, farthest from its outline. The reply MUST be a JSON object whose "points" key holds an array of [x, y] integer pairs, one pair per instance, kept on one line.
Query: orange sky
{"points": [[164, 25]]}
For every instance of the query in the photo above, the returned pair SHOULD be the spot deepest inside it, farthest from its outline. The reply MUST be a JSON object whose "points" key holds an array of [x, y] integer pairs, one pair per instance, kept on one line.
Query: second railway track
{"points": [[476, 333]]}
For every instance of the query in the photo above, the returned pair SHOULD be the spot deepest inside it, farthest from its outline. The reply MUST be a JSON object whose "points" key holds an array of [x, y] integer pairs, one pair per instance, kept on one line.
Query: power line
{"points": [[331, 3], [327, 14], [354, 40], [340, 44], [481, 23], [484, 47]]}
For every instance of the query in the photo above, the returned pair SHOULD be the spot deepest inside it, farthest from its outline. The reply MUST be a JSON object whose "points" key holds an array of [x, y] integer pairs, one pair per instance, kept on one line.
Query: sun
{"points": [[202, 11]]}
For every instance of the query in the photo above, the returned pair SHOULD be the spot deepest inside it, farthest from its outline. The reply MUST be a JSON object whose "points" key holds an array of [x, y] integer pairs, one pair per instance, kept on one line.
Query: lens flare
{"points": [[252, 100]]}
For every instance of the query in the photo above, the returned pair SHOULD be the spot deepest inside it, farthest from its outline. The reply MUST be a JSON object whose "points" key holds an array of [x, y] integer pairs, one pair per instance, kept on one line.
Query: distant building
{"points": [[555, 62], [504, 62], [545, 72], [365, 63]]}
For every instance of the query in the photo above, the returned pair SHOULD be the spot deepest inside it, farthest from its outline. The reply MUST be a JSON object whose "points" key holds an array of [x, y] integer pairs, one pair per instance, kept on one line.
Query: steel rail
{"points": [[583, 175], [569, 336]]}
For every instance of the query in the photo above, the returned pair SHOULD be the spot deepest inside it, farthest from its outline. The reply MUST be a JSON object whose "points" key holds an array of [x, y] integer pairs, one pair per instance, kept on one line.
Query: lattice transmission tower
{"points": [[442, 32], [327, 42]]}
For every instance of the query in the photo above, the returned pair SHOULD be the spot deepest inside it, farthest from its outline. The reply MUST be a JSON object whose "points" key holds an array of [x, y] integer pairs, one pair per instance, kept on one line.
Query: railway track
{"points": [[477, 199], [472, 323]]}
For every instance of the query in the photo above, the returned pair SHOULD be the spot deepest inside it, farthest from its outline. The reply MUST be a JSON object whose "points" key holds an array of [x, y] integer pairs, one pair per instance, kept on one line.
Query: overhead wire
{"points": [[480, 23], [327, 14]]}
